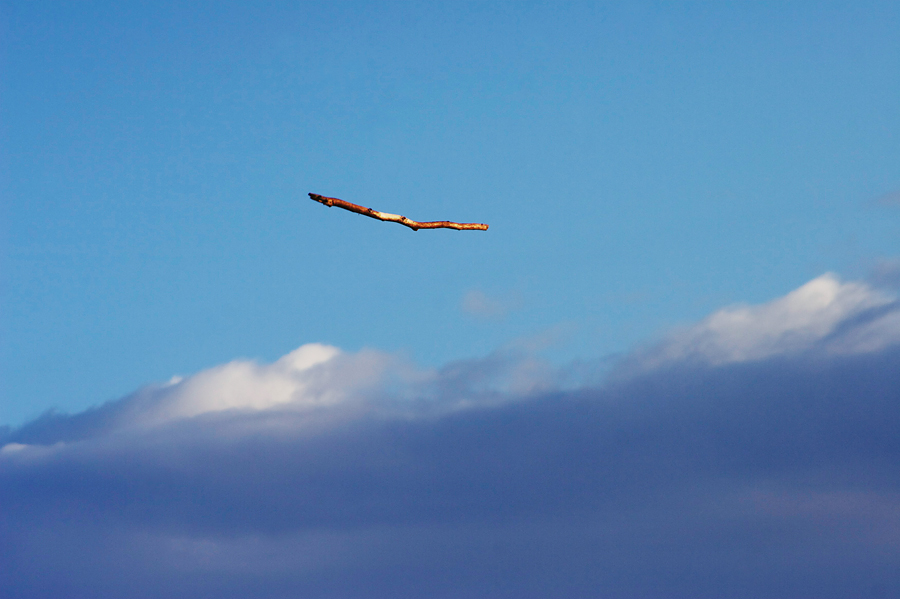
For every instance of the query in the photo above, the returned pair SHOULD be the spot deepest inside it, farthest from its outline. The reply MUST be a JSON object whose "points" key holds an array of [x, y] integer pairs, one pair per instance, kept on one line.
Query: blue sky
{"points": [[667, 185], [640, 166]]}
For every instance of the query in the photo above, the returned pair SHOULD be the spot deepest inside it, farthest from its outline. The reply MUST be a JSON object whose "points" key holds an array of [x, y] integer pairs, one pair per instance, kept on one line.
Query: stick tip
{"points": [[321, 199]]}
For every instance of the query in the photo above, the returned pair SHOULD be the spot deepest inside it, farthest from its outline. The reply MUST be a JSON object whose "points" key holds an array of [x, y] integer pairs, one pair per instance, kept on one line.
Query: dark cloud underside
{"points": [[776, 478]]}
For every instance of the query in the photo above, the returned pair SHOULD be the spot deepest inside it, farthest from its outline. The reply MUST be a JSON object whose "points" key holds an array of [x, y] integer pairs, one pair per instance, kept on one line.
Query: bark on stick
{"points": [[396, 218]]}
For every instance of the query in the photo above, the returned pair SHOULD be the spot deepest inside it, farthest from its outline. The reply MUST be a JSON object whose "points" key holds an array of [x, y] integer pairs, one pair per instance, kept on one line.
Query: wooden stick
{"points": [[396, 218]]}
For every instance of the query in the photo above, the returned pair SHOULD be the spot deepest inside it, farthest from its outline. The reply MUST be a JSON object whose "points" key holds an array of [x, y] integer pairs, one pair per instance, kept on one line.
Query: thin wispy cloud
{"points": [[489, 307], [752, 454], [886, 273], [891, 198]]}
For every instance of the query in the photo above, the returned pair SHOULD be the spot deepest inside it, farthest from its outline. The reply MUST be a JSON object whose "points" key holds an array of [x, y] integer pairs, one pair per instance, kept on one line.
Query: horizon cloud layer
{"points": [[752, 454]]}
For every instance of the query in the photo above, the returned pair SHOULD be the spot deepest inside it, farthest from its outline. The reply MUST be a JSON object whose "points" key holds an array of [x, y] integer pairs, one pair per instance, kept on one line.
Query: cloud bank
{"points": [[753, 454]]}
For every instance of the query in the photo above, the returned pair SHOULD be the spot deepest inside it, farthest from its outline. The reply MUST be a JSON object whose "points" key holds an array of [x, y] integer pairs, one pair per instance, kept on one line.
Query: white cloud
{"points": [[318, 384], [323, 384], [824, 315], [310, 378], [244, 384], [327, 385]]}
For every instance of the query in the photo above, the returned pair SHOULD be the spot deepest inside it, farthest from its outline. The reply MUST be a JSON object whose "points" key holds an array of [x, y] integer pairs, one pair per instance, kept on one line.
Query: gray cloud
{"points": [[751, 465]]}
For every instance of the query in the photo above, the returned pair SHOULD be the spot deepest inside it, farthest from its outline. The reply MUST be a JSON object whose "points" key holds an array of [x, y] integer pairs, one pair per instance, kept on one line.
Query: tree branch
{"points": [[396, 218]]}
